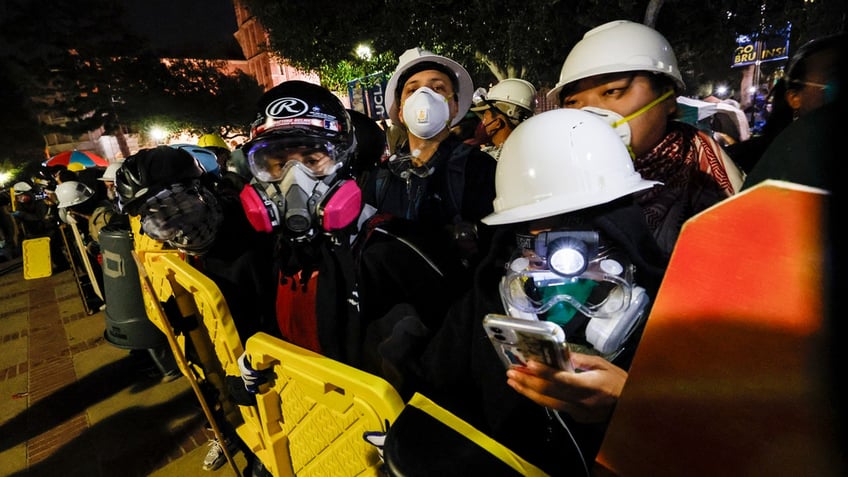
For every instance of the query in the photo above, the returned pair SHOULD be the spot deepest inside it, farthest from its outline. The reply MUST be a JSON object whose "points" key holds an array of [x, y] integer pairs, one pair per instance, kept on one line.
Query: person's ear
{"points": [[670, 105], [793, 99]]}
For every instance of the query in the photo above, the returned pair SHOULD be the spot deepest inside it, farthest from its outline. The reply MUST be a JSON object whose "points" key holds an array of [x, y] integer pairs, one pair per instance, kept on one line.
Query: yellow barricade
{"points": [[316, 409]]}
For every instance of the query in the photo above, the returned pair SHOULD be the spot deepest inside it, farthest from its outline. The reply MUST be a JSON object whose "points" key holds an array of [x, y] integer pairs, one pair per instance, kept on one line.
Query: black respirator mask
{"points": [[301, 203]]}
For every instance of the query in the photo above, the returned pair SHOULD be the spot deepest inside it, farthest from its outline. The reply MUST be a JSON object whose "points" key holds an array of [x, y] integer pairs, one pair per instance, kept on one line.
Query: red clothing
{"points": [[296, 312]]}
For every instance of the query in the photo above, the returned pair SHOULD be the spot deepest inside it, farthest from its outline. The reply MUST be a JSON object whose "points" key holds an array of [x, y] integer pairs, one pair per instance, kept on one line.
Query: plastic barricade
{"points": [[36, 258], [315, 410]]}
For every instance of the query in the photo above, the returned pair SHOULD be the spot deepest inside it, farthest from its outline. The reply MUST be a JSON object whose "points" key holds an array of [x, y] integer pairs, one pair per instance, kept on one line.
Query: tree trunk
{"points": [[652, 11]]}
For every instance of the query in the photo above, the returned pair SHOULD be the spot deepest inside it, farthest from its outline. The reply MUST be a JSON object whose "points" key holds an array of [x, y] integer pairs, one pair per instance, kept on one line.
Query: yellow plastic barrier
{"points": [[315, 411], [310, 418], [212, 332], [36, 253]]}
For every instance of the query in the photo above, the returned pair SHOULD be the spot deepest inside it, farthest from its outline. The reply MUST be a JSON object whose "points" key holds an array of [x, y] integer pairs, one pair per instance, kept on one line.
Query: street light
{"points": [[158, 134], [363, 52]]}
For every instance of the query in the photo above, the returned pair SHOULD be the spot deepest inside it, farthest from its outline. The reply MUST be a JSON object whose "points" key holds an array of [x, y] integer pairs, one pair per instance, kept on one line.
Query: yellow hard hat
{"points": [[212, 140]]}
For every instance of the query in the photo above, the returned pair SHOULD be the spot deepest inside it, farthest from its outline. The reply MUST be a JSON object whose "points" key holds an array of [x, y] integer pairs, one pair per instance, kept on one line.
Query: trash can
{"points": [[127, 325]]}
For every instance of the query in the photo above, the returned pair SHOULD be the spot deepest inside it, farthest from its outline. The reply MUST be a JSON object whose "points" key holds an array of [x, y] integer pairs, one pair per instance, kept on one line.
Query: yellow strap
{"points": [[470, 432], [643, 109]]}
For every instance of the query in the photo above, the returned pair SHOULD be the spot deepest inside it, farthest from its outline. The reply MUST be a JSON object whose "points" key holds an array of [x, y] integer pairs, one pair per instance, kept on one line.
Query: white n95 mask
{"points": [[621, 123], [426, 113]]}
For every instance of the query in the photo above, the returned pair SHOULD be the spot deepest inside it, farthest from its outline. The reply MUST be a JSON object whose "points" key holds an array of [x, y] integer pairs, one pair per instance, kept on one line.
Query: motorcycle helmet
{"points": [[301, 120], [149, 171]]}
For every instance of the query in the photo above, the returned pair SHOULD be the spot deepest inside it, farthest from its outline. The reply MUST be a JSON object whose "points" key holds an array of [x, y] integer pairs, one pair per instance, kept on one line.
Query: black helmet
{"points": [[147, 172], [297, 113]]}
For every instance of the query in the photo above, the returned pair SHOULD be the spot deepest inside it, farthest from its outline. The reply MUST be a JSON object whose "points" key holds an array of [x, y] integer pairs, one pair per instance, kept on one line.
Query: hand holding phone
{"points": [[518, 340]]}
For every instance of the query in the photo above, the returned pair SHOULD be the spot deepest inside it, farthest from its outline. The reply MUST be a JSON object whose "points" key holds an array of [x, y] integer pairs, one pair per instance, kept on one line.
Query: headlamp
{"points": [[569, 267], [567, 253]]}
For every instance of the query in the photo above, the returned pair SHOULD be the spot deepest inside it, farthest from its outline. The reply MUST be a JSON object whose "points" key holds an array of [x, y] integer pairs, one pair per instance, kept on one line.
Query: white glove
{"points": [[376, 439], [251, 377]]}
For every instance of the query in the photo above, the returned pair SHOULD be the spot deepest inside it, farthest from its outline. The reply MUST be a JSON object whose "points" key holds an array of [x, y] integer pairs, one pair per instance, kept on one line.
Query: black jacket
{"points": [[460, 370]]}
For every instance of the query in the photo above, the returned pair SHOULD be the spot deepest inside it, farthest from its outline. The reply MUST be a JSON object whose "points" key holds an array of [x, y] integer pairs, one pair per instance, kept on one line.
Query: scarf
{"points": [[694, 177]]}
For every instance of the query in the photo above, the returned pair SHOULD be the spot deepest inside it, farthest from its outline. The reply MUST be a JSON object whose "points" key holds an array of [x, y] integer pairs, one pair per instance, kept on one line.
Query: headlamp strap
{"points": [[539, 243], [525, 241]]}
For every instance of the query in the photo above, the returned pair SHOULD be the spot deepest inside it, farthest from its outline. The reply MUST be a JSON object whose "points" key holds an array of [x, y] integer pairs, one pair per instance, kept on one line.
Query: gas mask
{"points": [[426, 113], [620, 123], [301, 203], [572, 279], [185, 216]]}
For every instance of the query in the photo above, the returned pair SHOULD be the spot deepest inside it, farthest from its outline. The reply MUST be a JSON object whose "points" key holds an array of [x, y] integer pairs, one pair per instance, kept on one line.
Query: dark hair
{"points": [[424, 66], [796, 71], [660, 83]]}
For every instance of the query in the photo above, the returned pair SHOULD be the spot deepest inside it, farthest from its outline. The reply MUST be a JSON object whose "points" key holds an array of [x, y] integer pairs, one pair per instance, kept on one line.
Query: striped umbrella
{"points": [[85, 159]]}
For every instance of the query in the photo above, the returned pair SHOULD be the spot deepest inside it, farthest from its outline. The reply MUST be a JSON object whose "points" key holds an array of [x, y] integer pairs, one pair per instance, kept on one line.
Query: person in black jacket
{"points": [[425, 235], [565, 184]]}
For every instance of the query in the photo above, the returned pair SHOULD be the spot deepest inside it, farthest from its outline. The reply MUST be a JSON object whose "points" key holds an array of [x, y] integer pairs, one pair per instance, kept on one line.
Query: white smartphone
{"points": [[517, 340]]}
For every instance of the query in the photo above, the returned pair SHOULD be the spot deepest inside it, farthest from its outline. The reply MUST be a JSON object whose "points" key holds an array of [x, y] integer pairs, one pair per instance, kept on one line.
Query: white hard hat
{"points": [[414, 56], [21, 187], [616, 47], [109, 173], [561, 161], [514, 97], [70, 193]]}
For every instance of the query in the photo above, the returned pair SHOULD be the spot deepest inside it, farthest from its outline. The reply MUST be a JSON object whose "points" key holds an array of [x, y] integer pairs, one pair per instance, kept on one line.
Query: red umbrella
{"points": [[83, 158]]}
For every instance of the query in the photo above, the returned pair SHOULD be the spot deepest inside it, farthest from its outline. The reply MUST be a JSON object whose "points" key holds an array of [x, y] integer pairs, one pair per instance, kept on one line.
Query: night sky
{"points": [[186, 28]]}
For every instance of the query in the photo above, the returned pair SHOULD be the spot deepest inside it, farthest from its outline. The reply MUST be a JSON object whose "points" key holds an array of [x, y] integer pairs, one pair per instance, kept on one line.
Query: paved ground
{"points": [[72, 404]]}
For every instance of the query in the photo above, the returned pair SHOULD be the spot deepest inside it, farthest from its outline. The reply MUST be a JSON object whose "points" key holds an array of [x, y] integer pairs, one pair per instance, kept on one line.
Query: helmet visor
{"points": [[267, 158]]}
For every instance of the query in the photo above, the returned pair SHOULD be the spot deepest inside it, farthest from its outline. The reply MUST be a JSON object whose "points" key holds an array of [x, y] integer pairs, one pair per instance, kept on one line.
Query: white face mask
{"points": [[617, 121], [426, 113], [621, 123]]}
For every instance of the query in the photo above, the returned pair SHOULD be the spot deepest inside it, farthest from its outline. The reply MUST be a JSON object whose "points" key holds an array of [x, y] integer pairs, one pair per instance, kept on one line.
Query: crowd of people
{"points": [[386, 248]]}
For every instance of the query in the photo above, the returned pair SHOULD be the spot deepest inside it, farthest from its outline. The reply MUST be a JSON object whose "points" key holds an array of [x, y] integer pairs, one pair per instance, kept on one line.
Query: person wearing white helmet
{"points": [[627, 73], [108, 179], [83, 204], [428, 198], [502, 109], [565, 183]]}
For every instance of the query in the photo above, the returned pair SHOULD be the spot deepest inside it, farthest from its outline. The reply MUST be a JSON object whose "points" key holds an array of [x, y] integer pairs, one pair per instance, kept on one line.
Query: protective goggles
{"points": [[571, 268], [267, 158]]}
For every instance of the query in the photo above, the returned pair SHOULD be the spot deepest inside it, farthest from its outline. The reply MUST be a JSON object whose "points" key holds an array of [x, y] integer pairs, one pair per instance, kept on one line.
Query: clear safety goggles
{"points": [[571, 268], [267, 158]]}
